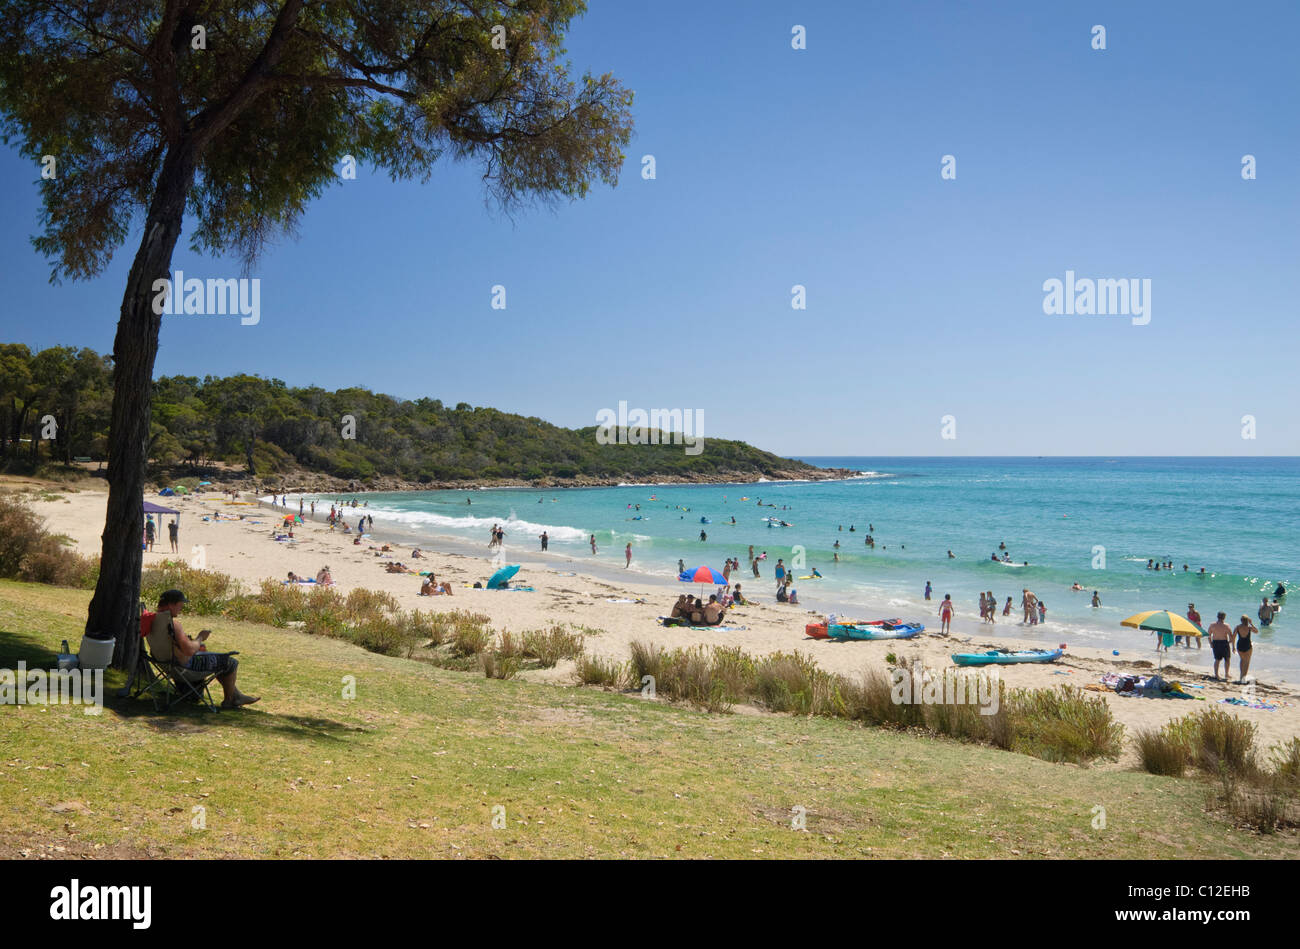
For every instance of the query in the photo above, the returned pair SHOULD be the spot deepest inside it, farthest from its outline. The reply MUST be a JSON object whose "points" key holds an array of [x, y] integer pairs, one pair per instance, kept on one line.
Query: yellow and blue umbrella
{"points": [[1165, 622]]}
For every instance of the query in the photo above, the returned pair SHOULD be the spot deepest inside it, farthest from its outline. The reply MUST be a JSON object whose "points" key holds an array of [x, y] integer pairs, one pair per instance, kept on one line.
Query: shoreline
{"points": [[624, 607]]}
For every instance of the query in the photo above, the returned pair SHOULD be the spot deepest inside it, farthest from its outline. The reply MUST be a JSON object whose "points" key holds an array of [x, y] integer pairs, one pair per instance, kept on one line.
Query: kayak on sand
{"points": [[1006, 657]]}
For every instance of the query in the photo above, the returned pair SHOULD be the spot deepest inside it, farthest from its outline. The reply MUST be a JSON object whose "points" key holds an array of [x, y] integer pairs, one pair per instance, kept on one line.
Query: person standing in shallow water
{"points": [[1221, 646], [593, 543], [544, 539], [945, 614], [927, 589], [627, 552], [1244, 647]]}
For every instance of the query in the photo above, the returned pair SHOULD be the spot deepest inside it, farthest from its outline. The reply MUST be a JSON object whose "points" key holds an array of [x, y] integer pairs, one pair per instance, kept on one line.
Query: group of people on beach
{"points": [[688, 611], [151, 534]]}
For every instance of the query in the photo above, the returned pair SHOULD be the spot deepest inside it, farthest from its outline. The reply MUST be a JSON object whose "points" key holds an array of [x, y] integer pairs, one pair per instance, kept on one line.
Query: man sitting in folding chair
{"points": [[189, 666]]}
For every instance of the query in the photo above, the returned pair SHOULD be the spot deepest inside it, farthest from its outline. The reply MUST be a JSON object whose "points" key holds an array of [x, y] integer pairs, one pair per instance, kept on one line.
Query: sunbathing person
{"points": [[712, 612], [739, 598], [427, 587], [416, 555], [168, 643], [323, 576]]}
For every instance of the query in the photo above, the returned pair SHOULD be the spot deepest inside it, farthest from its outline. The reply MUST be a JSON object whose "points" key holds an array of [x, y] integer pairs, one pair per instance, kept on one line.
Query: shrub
{"points": [[498, 666], [1161, 751], [209, 593], [592, 670], [1218, 742], [549, 646], [1286, 762], [1064, 725], [470, 639], [647, 660], [29, 552]]}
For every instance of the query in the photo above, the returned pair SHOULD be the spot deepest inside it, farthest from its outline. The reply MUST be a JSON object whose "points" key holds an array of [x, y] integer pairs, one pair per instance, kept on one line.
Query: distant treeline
{"points": [[271, 427]]}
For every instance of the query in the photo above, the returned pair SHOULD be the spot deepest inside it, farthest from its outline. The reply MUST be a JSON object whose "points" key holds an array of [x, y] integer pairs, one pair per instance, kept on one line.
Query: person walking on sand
{"points": [[174, 535], [1221, 646], [627, 553], [945, 614], [1243, 632], [544, 539], [149, 533]]}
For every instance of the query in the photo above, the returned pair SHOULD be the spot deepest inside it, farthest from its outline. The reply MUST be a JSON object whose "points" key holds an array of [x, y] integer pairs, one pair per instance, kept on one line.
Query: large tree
{"points": [[239, 112]]}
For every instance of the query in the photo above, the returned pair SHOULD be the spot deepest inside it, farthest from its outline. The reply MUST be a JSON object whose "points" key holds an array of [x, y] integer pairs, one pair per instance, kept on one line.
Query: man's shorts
{"points": [[218, 662], [1221, 650]]}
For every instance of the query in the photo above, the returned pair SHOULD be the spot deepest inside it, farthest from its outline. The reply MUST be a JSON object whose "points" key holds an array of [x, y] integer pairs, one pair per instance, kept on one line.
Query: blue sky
{"points": [[821, 167]]}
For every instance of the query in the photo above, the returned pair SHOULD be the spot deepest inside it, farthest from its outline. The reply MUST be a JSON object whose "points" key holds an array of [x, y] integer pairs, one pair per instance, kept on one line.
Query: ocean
{"points": [[1094, 521]]}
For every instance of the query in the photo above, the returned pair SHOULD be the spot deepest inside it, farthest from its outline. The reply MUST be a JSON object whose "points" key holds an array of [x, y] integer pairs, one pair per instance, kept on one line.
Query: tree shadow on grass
{"points": [[190, 718], [185, 718], [22, 647]]}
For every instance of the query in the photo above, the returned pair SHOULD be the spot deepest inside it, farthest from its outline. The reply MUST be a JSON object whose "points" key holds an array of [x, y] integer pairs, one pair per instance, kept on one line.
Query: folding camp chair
{"points": [[173, 684]]}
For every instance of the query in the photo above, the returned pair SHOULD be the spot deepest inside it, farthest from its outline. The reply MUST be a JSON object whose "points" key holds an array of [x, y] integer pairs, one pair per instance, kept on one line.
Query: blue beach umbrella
{"points": [[702, 575], [499, 578]]}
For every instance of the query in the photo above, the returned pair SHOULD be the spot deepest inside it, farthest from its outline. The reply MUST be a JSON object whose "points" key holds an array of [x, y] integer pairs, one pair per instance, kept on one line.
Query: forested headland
{"points": [[54, 407]]}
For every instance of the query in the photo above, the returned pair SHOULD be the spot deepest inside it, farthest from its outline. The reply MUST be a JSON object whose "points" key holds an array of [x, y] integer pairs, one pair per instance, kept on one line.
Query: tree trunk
{"points": [[113, 608]]}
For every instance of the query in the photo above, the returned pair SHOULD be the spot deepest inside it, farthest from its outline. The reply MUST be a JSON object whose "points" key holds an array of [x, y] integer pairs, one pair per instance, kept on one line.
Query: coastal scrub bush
{"points": [[549, 646], [647, 660], [470, 639], [1218, 742], [208, 592], [1162, 751], [592, 670], [510, 646], [29, 552], [686, 675], [1063, 725], [1286, 762], [792, 682], [496, 665]]}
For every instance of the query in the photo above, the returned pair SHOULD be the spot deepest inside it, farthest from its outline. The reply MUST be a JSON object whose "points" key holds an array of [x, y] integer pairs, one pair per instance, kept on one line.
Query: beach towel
{"points": [[1265, 706]]}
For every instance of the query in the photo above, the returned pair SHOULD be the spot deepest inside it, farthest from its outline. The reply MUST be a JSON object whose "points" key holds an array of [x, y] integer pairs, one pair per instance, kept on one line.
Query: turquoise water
{"points": [[1237, 518]]}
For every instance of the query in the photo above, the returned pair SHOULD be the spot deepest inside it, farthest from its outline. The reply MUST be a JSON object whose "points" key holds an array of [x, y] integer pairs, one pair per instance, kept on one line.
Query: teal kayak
{"points": [[876, 630], [1006, 657]]}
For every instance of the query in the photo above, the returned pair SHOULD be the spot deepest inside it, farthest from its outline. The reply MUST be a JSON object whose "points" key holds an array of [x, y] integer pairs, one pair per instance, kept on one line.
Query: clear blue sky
{"points": [[821, 167]]}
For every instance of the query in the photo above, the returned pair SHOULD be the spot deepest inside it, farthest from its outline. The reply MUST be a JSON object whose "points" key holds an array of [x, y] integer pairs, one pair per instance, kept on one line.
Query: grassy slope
{"points": [[413, 766]]}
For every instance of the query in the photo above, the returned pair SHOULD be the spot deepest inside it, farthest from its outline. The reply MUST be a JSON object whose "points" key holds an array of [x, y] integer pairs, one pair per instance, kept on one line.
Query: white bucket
{"points": [[95, 653]]}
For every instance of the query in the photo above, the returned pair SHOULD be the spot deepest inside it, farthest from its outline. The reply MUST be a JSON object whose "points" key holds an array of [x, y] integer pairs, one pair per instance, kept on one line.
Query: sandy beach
{"points": [[564, 591]]}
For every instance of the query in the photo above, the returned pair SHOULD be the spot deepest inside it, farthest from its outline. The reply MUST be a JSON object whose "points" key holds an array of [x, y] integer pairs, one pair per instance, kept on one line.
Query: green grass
{"points": [[413, 766]]}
